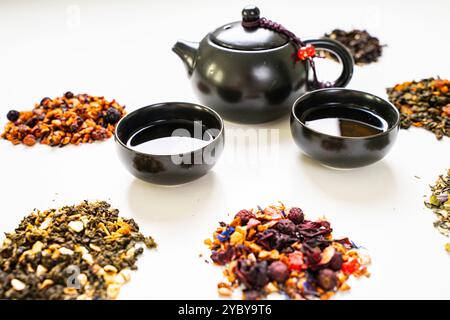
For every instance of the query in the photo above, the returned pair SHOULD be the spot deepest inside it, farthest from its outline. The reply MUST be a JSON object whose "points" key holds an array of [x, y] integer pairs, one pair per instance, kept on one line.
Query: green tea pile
{"points": [[424, 104], [75, 252], [277, 250], [440, 204]]}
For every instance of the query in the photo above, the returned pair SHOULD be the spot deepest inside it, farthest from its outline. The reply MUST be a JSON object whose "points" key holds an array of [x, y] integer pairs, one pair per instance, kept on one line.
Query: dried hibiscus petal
{"points": [[223, 256], [313, 229], [272, 239]]}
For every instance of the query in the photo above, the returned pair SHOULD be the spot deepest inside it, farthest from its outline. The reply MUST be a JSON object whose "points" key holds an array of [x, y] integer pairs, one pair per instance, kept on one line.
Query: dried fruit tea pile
{"points": [[364, 48], [68, 119], [424, 104], [278, 250], [440, 204], [75, 252]]}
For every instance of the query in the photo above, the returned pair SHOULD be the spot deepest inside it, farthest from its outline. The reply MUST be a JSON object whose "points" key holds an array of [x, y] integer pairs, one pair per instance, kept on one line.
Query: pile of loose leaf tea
{"points": [[364, 47], [440, 204], [75, 252], [424, 104], [70, 119], [278, 250]]}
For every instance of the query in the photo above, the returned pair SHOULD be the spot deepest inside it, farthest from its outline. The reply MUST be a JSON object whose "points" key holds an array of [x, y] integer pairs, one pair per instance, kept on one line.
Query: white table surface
{"points": [[122, 50]]}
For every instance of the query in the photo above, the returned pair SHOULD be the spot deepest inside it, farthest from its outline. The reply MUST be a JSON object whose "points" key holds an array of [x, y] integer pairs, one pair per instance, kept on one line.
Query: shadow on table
{"points": [[372, 184], [155, 203]]}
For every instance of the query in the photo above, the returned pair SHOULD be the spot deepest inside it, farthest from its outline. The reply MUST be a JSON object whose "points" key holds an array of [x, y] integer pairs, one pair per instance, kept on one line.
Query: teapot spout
{"points": [[187, 51]]}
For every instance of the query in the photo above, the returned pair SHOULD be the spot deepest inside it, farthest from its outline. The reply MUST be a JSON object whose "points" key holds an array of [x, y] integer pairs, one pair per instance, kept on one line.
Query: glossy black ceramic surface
{"points": [[344, 152], [251, 75], [170, 169]]}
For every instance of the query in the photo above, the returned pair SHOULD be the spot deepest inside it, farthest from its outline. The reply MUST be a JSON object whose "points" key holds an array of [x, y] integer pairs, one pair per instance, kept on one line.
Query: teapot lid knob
{"points": [[250, 14], [248, 34]]}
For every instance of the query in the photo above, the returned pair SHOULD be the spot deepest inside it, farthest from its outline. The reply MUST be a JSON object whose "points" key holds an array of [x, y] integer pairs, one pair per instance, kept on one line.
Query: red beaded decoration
{"points": [[306, 52]]}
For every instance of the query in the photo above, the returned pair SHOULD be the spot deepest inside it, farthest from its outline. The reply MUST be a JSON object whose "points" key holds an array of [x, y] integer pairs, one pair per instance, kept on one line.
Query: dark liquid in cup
{"points": [[170, 137], [344, 121]]}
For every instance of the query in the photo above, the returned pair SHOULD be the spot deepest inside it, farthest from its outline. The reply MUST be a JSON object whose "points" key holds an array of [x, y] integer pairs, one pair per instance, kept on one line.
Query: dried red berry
{"points": [[68, 95], [285, 226], [278, 271], [327, 279], [296, 215], [13, 115], [112, 115], [245, 216]]}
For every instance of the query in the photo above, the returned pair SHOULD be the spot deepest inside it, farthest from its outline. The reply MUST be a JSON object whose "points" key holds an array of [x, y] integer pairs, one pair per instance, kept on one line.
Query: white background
{"points": [[122, 50]]}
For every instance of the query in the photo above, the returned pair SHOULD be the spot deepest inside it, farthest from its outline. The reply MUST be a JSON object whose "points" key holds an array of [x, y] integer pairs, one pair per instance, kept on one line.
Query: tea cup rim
{"points": [[190, 104], [360, 92]]}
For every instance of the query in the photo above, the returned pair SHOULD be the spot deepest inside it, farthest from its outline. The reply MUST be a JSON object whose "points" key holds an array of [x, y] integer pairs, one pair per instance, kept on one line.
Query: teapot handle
{"points": [[343, 56]]}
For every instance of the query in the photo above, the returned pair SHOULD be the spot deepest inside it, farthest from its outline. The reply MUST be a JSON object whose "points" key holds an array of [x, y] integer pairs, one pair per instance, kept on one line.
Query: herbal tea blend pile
{"points": [[424, 104], [75, 252], [364, 48], [68, 119], [278, 250], [440, 204]]}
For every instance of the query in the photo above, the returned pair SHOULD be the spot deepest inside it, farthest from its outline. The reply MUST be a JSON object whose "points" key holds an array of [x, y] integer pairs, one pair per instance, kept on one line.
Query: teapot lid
{"points": [[250, 38]]}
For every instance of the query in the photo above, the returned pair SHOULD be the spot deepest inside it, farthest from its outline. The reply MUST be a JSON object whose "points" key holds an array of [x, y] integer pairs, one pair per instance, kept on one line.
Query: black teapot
{"points": [[249, 70]]}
